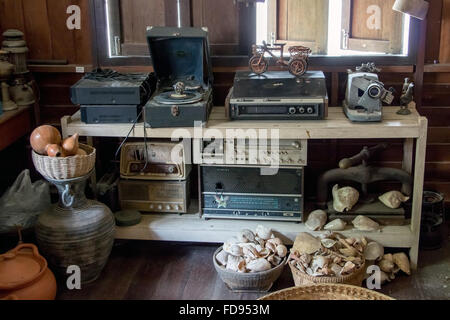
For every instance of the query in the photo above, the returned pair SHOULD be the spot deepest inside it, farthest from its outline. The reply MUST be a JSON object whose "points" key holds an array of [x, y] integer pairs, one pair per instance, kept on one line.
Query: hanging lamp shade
{"points": [[416, 8]]}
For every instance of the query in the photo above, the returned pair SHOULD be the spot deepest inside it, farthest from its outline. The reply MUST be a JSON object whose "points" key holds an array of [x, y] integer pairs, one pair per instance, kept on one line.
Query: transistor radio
{"points": [[282, 153], [155, 196], [155, 160]]}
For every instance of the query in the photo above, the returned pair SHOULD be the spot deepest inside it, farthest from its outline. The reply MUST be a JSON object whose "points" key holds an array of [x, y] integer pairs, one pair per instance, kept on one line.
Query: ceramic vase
{"points": [[76, 231]]}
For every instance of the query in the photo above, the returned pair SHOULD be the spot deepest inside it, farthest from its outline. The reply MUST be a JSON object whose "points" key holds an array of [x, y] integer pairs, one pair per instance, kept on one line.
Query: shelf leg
{"points": [[90, 142], [419, 175]]}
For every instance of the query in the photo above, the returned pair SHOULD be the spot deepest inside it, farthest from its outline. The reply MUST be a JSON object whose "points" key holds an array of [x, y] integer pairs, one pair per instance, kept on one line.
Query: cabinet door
{"points": [[371, 25], [299, 22]]}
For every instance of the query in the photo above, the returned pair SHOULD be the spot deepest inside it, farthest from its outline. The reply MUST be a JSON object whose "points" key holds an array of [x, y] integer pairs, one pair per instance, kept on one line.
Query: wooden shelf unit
{"points": [[191, 228]]}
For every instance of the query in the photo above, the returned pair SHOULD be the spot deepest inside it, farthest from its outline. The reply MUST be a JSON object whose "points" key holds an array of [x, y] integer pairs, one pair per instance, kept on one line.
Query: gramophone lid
{"points": [[13, 33]]}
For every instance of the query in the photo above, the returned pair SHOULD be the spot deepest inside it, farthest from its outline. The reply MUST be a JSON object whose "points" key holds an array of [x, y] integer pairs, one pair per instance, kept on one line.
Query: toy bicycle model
{"points": [[297, 64]]}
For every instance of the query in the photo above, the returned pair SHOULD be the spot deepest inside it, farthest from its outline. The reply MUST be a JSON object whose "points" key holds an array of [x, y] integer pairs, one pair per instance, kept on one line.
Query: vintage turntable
{"points": [[182, 65], [278, 95]]}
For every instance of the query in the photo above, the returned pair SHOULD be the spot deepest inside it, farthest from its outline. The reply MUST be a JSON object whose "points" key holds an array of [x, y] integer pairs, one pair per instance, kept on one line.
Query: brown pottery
{"points": [[24, 275], [44, 136]]}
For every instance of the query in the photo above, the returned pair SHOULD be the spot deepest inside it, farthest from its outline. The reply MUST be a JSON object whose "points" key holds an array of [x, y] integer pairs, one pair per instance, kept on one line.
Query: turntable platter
{"points": [[172, 97]]}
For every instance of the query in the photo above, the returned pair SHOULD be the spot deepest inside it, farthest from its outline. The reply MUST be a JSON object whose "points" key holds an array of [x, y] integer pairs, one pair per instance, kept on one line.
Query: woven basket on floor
{"points": [[355, 279], [65, 168], [326, 292], [248, 282]]}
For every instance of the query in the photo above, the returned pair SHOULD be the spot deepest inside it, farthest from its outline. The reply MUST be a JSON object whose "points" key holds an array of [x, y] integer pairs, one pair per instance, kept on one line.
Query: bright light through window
{"points": [[334, 30]]}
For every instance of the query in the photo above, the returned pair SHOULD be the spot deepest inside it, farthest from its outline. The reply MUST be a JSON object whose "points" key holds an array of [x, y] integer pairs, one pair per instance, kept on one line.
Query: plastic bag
{"points": [[23, 202]]}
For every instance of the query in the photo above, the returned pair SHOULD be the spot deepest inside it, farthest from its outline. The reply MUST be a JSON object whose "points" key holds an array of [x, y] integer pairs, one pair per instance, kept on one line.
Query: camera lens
{"points": [[374, 91]]}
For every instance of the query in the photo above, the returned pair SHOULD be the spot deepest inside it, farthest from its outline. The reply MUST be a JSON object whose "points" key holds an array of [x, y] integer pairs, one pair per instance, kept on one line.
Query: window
{"points": [[335, 27], [331, 28]]}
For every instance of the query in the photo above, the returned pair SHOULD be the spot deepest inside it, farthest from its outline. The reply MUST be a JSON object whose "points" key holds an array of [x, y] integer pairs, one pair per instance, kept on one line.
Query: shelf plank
{"points": [[337, 126], [191, 228]]}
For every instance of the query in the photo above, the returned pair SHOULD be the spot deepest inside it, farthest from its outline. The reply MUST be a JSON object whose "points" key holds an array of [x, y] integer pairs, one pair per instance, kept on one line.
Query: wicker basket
{"points": [[65, 168], [355, 279], [326, 292], [248, 282]]}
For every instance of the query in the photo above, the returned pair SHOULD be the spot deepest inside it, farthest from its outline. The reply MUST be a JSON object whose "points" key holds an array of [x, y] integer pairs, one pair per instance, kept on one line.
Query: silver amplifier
{"points": [[283, 153]]}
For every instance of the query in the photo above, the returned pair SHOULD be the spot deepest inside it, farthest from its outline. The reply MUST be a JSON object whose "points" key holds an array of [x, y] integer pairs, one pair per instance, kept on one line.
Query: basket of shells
{"points": [[251, 261], [329, 258], [58, 159]]}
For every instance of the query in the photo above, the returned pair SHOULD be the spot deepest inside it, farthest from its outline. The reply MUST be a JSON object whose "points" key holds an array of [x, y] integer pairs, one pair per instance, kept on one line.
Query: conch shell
{"points": [[236, 264], [345, 198], [246, 236], [222, 258], [393, 199], [364, 223], [306, 243], [259, 265], [232, 247], [316, 220], [386, 266], [275, 241], [282, 251], [374, 251], [263, 232], [274, 260], [402, 261], [336, 225], [348, 268]]}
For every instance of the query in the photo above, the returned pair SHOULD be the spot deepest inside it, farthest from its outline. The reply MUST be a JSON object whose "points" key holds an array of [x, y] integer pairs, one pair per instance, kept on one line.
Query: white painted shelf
{"points": [[190, 228], [336, 126]]}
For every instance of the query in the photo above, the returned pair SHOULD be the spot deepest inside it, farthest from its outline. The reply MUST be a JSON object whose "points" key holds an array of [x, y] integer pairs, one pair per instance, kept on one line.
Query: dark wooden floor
{"points": [[142, 270]]}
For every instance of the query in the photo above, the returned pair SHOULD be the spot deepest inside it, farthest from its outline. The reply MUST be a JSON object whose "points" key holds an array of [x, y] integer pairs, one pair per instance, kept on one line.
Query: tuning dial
{"points": [[296, 145]]}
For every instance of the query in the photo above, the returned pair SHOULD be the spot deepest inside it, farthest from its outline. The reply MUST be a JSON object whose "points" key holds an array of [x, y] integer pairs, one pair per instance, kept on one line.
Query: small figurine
{"points": [[297, 64], [406, 98]]}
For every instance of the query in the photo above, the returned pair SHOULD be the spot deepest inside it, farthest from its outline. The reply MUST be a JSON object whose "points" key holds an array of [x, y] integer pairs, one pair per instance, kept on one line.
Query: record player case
{"points": [[180, 55]]}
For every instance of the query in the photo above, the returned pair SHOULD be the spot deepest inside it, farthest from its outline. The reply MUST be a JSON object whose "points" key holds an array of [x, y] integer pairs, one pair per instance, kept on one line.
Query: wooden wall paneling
{"points": [[37, 29], [437, 116], [84, 38], [62, 39], [438, 152], [11, 15], [420, 63], [136, 16], [439, 135], [436, 94], [433, 31], [444, 53], [222, 19]]}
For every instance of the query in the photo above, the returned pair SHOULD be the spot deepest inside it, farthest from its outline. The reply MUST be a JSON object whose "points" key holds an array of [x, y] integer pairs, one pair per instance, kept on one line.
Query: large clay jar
{"points": [[24, 275], [44, 136], [76, 231]]}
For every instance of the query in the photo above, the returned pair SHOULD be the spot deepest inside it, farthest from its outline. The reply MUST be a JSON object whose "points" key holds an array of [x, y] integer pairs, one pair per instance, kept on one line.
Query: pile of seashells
{"points": [[390, 264], [252, 251], [317, 221], [331, 255]]}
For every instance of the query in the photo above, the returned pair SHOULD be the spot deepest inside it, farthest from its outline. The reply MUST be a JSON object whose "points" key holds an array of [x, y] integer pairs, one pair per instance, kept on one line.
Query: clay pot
{"points": [[44, 136], [70, 145], [76, 231], [24, 275], [54, 151]]}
